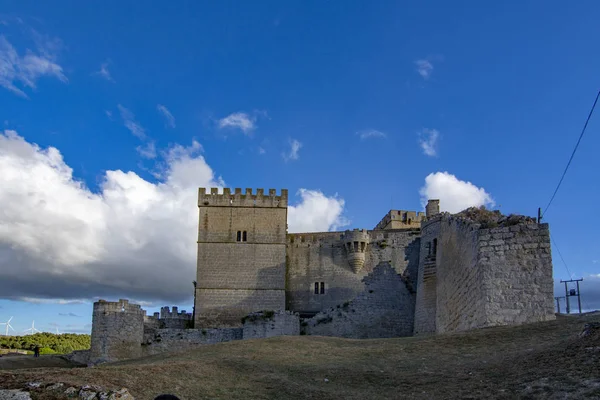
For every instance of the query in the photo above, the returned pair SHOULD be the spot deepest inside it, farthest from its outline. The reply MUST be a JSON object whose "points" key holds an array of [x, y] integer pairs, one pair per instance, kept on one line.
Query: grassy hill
{"points": [[545, 360]]}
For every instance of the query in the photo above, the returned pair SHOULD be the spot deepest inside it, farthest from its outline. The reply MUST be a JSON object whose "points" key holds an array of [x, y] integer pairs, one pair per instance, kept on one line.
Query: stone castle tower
{"points": [[241, 255]]}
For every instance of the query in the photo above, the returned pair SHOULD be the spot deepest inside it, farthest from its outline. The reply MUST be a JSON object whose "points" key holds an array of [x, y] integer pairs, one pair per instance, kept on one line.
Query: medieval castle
{"points": [[413, 273]]}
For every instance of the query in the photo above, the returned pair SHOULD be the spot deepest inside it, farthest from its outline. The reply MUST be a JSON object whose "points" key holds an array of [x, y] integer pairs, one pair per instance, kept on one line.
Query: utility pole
{"points": [[558, 303], [539, 218], [572, 292]]}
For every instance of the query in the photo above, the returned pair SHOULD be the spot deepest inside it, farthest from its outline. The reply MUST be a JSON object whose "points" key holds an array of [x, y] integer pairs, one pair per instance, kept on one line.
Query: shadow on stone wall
{"points": [[384, 309]]}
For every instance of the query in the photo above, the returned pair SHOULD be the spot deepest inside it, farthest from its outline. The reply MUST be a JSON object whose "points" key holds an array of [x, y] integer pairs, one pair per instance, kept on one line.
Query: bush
{"points": [[47, 350]]}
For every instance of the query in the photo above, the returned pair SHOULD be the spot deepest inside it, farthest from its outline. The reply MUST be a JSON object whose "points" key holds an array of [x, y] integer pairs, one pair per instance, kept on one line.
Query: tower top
{"points": [[237, 199]]}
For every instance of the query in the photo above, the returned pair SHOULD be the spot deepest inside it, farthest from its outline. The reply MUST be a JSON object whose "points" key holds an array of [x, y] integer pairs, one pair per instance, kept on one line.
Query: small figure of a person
{"points": [[36, 351]]}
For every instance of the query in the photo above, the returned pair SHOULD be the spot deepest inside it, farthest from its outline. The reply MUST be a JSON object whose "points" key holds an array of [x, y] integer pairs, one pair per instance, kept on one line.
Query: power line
{"points": [[573, 154], [561, 257]]}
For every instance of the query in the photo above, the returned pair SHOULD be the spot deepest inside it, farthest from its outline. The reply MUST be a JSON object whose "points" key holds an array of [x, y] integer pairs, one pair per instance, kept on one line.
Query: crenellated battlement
{"points": [[166, 313], [400, 219], [121, 306], [239, 199]]}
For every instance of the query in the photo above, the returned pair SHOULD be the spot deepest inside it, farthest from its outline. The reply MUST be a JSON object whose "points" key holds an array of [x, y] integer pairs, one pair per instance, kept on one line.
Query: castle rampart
{"points": [[117, 331], [237, 199]]}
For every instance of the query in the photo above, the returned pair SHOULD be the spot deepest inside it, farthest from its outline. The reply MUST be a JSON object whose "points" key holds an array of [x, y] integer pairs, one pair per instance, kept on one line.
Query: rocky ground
{"points": [[551, 360]]}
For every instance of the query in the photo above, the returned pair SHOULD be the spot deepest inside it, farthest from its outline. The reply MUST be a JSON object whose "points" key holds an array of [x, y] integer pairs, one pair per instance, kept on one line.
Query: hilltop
{"points": [[543, 360]]}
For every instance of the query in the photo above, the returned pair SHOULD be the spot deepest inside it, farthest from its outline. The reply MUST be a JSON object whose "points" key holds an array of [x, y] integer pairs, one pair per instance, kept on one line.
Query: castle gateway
{"points": [[456, 273]]}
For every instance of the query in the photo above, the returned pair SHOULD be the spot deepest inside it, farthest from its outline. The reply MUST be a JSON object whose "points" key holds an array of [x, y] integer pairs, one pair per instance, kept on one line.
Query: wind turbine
{"points": [[8, 325], [32, 329], [57, 332]]}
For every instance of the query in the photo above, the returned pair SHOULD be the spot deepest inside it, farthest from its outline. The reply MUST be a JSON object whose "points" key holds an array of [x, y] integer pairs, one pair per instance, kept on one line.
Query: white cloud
{"points": [[316, 213], [239, 120], [261, 150], [132, 238], [170, 119], [295, 147], [454, 195], [27, 69], [104, 72], [130, 123], [370, 133], [428, 139], [424, 68], [148, 150]]}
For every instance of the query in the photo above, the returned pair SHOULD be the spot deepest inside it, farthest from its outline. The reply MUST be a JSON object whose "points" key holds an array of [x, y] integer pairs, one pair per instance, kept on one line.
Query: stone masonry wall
{"points": [[384, 309], [237, 276], [117, 331], [268, 324], [426, 297], [483, 277], [163, 340], [460, 295], [321, 257], [517, 277]]}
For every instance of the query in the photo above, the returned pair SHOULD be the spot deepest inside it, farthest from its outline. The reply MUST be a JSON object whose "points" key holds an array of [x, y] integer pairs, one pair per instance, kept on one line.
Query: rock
{"points": [[103, 396], [122, 394], [55, 386], [34, 385], [14, 395], [87, 394], [71, 392]]}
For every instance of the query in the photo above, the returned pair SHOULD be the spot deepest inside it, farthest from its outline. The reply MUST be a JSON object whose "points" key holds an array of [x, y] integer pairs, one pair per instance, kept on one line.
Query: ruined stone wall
{"points": [[384, 309], [239, 273], [482, 277], [321, 257], [268, 324], [117, 331], [426, 297], [163, 340], [401, 219], [460, 294], [517, 277]]}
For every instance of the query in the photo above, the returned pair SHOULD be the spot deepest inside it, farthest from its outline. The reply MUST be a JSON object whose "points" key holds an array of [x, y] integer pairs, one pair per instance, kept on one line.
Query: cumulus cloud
{"points": [[293, 153], [104, 72], [454, 195], [131, 238], [25, 70], [316, 213], [239, 120], [169, 118], [370, 134], [428, 139], [424, 68]]}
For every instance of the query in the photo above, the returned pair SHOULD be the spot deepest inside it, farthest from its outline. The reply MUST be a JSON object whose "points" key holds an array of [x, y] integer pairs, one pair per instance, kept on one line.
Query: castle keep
{"points": [[413, 273]]}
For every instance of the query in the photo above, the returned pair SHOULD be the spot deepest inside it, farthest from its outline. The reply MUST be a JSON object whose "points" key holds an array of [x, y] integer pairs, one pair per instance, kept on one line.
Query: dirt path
{"points": [[28, 361]]}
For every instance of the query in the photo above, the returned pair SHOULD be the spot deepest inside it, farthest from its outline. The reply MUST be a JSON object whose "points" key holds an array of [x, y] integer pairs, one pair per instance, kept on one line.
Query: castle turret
{"points": [[432, 208], [355, 243], [117, 331]]}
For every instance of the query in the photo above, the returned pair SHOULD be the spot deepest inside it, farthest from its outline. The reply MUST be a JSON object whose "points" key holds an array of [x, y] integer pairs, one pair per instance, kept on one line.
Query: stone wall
{"points": [[241, 255], [321, 257], [460, 294], [384, 309], [163, 340], [271, 323], [476, 277], [517, 278], [117, 331], [426, 297]]}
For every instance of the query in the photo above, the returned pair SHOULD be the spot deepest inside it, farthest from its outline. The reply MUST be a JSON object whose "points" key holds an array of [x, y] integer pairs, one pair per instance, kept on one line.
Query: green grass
{"points": [[544, 360]]}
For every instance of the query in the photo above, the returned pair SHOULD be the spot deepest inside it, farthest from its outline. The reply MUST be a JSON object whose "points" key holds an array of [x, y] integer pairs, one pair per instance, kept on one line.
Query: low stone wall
{"points": [[266, 324], [162, 340], [384, 309]]}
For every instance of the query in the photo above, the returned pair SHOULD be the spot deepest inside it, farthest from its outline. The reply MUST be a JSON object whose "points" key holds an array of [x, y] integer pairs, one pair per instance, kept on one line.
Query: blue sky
{"points": [[113, 115]]}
